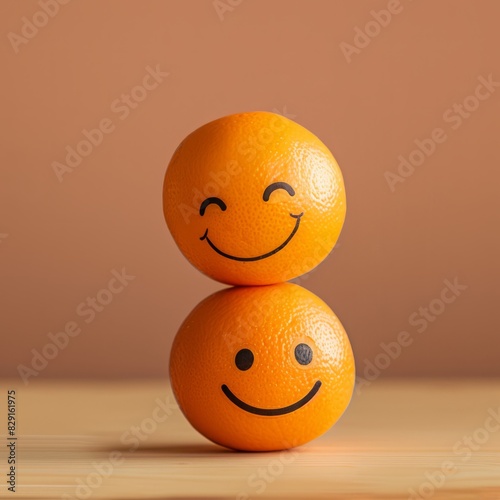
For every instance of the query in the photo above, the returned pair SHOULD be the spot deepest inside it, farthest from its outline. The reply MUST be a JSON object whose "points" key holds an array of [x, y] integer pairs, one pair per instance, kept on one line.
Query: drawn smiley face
{"points": [[244, 360], [254, 199], [262, 368], [267, 193]]}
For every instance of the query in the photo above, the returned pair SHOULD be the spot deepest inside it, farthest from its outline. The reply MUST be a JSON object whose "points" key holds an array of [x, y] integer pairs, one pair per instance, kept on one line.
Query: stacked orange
{"points": [[254, 200]]}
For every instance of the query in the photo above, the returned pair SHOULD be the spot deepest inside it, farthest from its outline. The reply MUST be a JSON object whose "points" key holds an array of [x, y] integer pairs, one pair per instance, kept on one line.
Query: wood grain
{"points": [[395, 436]]}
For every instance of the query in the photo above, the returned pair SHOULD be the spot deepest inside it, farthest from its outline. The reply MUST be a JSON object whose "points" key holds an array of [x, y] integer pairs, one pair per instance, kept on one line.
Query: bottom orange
{"points": [[262, 368]]}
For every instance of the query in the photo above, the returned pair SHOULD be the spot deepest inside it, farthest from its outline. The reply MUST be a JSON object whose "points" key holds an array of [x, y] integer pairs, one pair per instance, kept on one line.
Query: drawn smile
{"points": [[258, 257], [270, 412]]}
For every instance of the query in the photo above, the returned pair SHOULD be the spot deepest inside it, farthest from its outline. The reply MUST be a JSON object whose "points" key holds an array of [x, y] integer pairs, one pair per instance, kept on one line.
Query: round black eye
{"points": [[303, 354], [244, 359]]}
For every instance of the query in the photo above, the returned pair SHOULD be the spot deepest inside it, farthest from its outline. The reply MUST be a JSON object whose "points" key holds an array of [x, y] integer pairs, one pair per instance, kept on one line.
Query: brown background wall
{"points": [[60, 241]]}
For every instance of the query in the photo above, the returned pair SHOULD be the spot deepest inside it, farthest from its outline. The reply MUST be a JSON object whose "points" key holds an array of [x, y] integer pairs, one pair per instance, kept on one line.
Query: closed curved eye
{"points": [[277, 185], [209, 201]]}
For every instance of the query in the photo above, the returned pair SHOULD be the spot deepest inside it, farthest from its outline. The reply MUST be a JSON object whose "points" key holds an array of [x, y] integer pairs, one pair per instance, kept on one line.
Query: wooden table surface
{"points": [[123, 440]]}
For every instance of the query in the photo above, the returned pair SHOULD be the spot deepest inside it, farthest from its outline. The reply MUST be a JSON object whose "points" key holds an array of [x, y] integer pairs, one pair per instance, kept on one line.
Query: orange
{"points": [[262, 368], [254, 199]]}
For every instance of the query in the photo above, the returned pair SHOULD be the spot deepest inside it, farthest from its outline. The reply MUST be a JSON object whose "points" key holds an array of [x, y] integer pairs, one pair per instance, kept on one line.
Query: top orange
{"points": [[254, 199]]}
